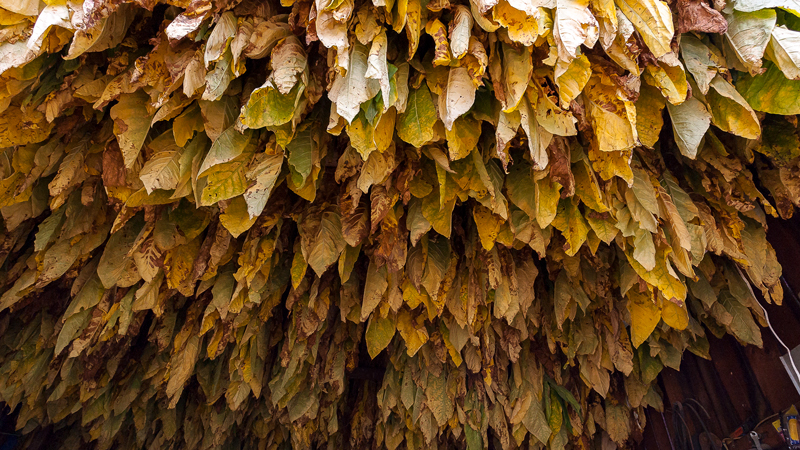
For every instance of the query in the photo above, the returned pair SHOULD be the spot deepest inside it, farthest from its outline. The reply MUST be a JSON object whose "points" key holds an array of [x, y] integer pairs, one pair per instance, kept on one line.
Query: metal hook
{"points": [[756, 440]]}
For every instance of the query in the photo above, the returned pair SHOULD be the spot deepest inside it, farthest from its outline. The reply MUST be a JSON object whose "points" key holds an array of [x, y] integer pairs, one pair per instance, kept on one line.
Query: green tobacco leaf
{"points": [[771, 92], [754, 5], [230, 144], [749, 34], [690, 121], [131, 124], [268, 107], [162, 170], [415, 125]]}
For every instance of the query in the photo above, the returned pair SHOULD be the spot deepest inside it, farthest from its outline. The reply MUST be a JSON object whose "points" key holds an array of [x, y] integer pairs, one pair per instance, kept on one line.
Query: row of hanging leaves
{"points": [[382, 224]]}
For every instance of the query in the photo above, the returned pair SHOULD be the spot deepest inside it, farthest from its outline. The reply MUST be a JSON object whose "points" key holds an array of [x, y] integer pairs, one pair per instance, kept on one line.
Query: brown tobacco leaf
{"points": [[560, 166], [697, 15], [113, 167]]}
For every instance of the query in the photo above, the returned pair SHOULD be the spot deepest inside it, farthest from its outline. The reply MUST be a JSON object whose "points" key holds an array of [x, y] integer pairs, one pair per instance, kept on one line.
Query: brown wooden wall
{"points": [[739, 386]]}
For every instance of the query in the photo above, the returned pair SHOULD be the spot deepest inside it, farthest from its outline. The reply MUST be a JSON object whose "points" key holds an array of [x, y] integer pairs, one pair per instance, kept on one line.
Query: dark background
{"points": [[741, 385]]}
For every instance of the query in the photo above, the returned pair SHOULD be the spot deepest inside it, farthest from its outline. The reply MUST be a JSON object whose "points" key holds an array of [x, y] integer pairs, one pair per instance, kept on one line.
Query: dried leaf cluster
{"points": [[382, 224]]}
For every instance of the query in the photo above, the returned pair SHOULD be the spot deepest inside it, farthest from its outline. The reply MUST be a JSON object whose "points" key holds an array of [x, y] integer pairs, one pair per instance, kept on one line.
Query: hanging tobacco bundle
{"points": [[382, 224]]}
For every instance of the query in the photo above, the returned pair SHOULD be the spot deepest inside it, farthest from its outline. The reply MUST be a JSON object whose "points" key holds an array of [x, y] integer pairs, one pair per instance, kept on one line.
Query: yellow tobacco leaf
{"points": [[451, 349], [436, 77], [22, 128], [236, 219], [187, 124], [550, 116], [517, 68], [784, 50], [570, 222], [438, 399], [413, 24], [587, 186], [463, 137], [662, 277], [412, 331], [374, 289], [677, 226], [347, 261], [675, 315], [178, 265], [653, 20], [348, 92], [521, 189], [362, 135], [571, 78], [376, 169], [299, 268], [612, 164], [380, 331], [288, 62], [521, 27], [220, 37], [264, 172], [439, 211], [22, 7], [506, 130], [556, 419], [645, 315], [623, 50], [671, 80], [730, 111], [488, 226], [606, 13], [367, 27], [325, 247], [162, 170], [613, 119], [384, 130], [547, 201], [399, 13], [617, 420], [605, 229], [226, 180], [482, 15], [11, 18], [476, 61]]}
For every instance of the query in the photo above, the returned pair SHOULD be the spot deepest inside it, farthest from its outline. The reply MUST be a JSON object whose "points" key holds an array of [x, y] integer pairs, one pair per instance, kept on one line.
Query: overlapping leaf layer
{"points": [[383, 223]]}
